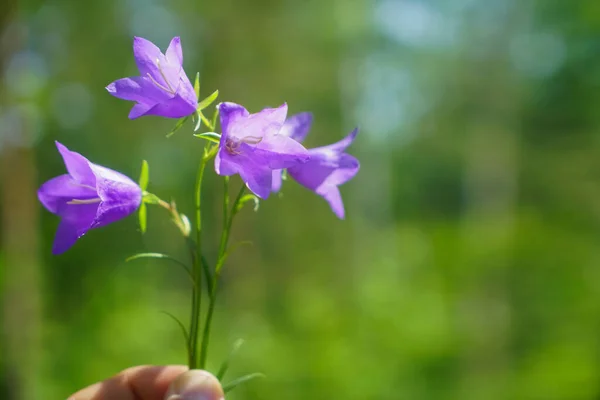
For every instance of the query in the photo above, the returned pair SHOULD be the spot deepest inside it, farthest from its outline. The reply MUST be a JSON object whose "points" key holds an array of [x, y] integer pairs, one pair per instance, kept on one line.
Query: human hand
{"points": [[173, 382]]}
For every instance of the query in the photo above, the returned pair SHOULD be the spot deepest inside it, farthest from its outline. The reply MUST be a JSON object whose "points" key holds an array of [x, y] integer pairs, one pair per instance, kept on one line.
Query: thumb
{"points": [[195, 384]]}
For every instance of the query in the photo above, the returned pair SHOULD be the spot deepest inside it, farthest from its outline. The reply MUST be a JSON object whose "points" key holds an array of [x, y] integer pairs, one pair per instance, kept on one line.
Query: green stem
{"points": [[207, 273], [176, 217], [225, 215], [209, 152], [227, 223], [195, 309], [198, 202], [198, 266], [192, 337]]}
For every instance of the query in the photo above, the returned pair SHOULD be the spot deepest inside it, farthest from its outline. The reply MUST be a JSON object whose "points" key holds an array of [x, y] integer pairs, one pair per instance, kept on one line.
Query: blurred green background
{"points": [[469, 263]]}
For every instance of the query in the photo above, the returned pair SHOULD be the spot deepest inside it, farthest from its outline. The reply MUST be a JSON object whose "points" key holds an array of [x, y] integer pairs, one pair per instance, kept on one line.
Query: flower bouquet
{"points": [[264, 149]]}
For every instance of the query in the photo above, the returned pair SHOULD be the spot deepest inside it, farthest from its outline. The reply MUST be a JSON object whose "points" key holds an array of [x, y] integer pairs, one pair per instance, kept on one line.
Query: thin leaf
{"points": [[182, 326], [164, 257], [210, 150], [231, 385], [210, 136], [144, 175], [246, 198], [177, 126], [214, 118], [198, 122], [225, 366], [208, 101], [142, 214], [197, 85], [206, 122]]}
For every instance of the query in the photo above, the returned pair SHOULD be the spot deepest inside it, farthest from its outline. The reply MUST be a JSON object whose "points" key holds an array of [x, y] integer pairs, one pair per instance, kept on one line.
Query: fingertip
{"points": [[151, 382], [195, 385], [145, 382]]}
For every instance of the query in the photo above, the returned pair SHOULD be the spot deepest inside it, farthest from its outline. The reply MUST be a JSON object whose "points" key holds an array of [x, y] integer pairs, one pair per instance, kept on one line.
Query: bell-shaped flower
{"points": [[251, 145], [162, 88], [328, 167], [89, 196]]}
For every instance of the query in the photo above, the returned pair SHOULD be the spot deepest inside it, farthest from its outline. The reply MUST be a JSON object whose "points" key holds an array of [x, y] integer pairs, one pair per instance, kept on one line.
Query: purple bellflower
{"points": [[328, 167], [89, 196], [162, 88], [251, 145]]}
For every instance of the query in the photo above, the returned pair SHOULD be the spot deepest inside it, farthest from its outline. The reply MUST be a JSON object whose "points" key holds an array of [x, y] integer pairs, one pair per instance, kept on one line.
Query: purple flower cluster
{"points": [[258, 147]]}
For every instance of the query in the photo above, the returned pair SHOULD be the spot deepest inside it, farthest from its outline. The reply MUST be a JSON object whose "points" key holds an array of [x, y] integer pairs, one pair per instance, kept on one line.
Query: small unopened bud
{"points": [[195, 384]]}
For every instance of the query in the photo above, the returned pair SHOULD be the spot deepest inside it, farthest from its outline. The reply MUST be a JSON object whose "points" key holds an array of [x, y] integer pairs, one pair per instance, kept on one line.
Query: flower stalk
{"points": [[228, 215], [198, 264]]}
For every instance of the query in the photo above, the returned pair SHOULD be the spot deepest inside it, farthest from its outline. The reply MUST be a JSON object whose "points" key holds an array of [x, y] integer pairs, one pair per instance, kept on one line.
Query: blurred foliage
{"points": [[468, 266]]}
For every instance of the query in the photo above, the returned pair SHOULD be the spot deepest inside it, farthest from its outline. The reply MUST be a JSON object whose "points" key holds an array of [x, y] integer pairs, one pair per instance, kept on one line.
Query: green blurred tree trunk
{"points": [[20, 290]]}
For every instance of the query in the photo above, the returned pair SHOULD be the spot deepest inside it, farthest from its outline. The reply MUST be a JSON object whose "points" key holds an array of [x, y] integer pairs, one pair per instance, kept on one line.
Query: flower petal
{"points": [[255, 174], [224, 164], [136, 88], [113, 186], [174, 52], [230, 114], [150, 61], [334, 198], [239, 125], [139, 110], [112, 211], [324, 178], [57, 191], [297, 126], [127, 89], [277, 180], [146, 54], [270, 119], [177, 107], [279, 151], [66, 236], [342, 144], [348, 167], [257, 178], [77, 166], [76, 221], [328, 165], [186, 90], [328, 168], [323, 172], [120, 196]]}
